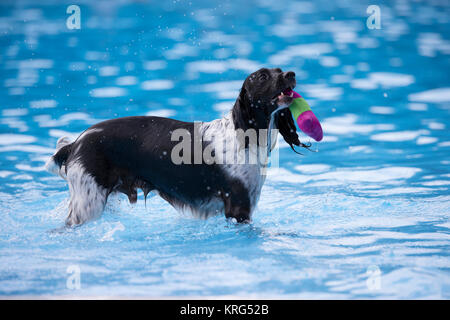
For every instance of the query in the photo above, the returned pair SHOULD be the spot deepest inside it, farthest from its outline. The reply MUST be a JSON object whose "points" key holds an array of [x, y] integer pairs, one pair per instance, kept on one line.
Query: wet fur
{"points": [[126, 154]]}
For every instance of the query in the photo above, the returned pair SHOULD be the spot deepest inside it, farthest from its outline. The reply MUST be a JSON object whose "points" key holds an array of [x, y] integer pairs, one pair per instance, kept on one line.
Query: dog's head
{"points": [[266, 93]]}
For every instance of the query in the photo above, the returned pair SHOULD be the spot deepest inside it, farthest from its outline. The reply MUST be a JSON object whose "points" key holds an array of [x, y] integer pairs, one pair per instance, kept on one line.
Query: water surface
{"points": [[367, 216]]}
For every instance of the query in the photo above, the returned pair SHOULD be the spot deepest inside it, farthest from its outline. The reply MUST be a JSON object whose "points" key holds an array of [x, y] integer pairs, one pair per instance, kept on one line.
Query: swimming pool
{"points": [[367, 216]]}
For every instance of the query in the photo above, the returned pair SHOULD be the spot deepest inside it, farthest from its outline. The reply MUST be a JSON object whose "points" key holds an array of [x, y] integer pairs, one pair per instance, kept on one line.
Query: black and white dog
{"points": [[125, 154]]}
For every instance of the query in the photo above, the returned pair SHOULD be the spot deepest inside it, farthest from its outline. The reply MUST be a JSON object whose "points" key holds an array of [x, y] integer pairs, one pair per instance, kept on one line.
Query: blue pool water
{"points": [[367, 216]]}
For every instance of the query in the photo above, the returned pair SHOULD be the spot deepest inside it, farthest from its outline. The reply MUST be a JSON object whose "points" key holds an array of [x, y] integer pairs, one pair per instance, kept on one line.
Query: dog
{"points": [[130, 153]]}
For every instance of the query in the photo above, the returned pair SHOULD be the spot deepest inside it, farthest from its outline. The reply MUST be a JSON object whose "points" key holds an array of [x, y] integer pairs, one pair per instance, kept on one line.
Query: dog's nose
{"points": [[289, 75]]}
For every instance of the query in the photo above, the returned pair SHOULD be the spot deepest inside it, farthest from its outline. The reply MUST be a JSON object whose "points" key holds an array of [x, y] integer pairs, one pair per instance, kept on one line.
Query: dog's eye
{"points": [[263, 77]]}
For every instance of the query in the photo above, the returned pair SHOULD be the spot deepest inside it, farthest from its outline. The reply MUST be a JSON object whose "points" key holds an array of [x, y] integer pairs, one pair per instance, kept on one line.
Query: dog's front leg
{"points": [[237, 206]]}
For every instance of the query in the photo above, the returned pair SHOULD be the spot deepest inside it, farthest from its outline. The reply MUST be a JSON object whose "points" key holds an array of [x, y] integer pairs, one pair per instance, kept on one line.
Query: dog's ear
{"points": [[241, 110], [285, 124]]}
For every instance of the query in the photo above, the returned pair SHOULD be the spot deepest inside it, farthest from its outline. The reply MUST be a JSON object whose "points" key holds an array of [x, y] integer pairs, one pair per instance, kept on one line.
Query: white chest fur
{"points": [[248, 165]]}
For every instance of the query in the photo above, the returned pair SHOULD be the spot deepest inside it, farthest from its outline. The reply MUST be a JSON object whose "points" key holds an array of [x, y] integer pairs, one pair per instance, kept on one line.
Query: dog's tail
{"points": [[56, 163]]}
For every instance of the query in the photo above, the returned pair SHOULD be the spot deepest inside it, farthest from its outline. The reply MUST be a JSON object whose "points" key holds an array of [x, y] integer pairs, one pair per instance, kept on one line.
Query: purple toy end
{"points": [[310, 125]]}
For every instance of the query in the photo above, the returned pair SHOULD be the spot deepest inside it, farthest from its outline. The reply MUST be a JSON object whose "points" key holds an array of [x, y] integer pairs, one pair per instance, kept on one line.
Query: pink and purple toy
{"points": [[306, 119]]}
